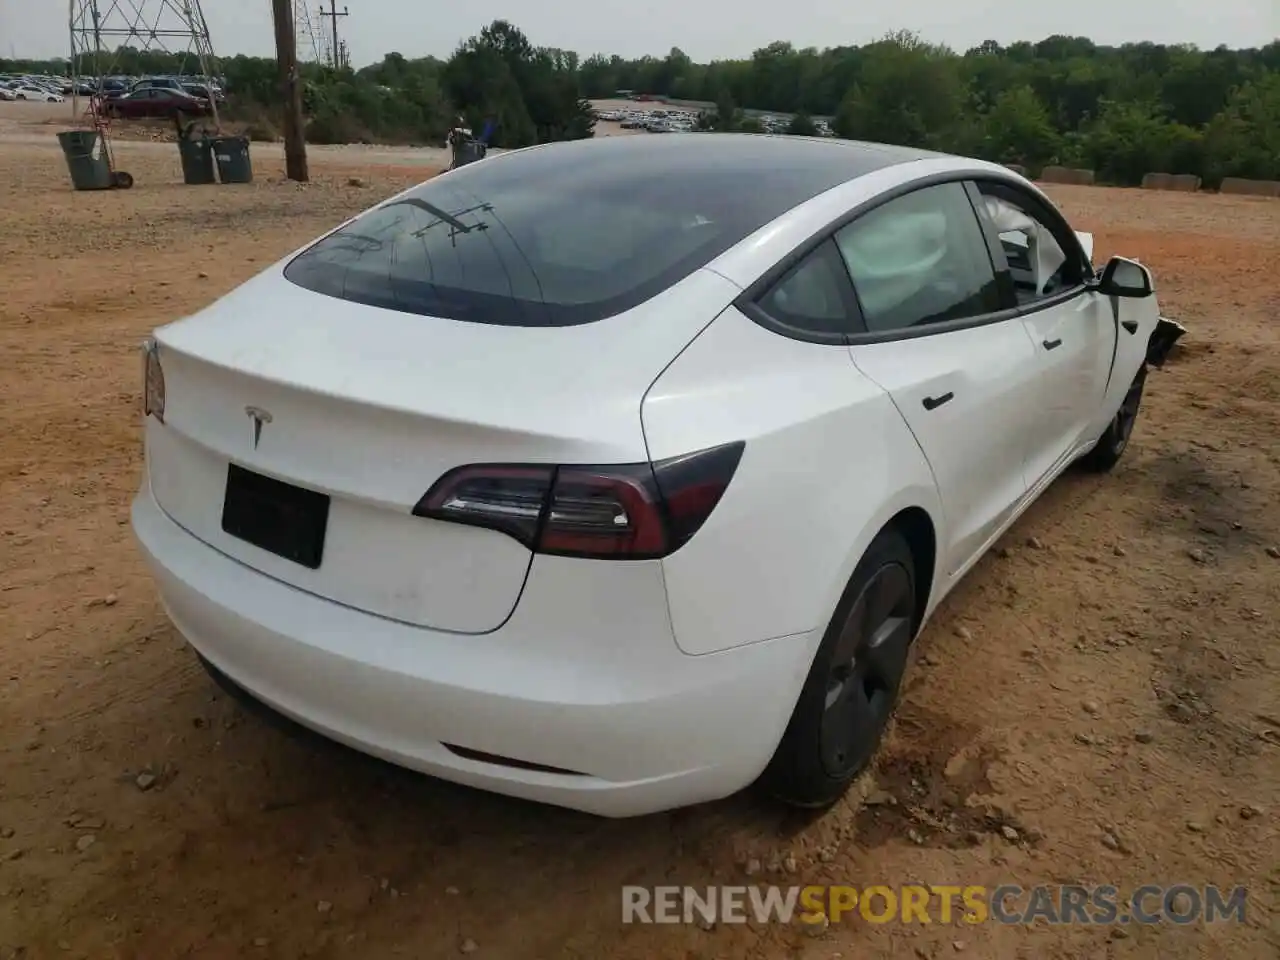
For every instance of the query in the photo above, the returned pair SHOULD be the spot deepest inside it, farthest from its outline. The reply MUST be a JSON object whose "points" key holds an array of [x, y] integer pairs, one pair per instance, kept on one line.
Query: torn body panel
{"points": [[1163, 337]]}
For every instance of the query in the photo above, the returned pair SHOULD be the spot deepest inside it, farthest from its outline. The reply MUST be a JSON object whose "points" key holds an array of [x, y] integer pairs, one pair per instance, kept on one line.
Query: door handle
{"points": [[933, 403], [1052, 344], [1130, 325]]}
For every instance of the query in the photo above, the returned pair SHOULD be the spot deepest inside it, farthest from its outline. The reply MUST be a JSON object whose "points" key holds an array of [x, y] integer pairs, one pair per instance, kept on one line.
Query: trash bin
{"points": [[197, 160], [468, 151], [88, 172], [232, 154]]}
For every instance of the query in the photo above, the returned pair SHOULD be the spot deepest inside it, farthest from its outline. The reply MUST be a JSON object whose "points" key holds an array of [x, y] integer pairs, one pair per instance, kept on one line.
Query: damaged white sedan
{"points": [[621, 474]]}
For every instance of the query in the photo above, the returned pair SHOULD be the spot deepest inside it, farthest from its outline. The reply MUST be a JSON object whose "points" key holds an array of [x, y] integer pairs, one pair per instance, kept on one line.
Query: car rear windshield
{"points": [[568, 233]]}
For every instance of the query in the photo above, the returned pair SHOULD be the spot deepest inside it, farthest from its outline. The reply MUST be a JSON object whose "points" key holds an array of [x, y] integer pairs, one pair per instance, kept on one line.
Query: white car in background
{"points": [[628, 519], [31, 92]]}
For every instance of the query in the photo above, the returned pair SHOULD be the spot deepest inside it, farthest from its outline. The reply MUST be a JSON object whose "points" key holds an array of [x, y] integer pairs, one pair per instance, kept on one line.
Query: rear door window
{"points": [[920, 259], [813, 298]]}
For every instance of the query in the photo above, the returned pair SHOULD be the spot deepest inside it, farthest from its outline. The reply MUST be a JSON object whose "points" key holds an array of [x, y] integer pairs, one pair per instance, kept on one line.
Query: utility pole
{"points": [[295, 145], [333, 13]]}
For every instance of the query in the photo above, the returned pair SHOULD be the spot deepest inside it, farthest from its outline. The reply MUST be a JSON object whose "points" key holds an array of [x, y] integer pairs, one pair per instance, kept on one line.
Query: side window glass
{"points": [[1039, 262], [813, 297], [920, 259]]}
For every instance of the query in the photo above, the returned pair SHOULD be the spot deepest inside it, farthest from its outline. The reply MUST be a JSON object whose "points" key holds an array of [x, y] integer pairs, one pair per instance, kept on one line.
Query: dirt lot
{"points": [[1105, 685]]}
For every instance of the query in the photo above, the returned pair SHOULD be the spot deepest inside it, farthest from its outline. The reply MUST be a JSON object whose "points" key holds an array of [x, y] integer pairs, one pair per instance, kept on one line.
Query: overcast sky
{"points": [[704, 29]]}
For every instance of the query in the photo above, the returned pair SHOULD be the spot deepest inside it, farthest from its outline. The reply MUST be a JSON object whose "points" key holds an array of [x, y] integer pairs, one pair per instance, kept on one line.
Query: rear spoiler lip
{"points": [[1163, 337]]}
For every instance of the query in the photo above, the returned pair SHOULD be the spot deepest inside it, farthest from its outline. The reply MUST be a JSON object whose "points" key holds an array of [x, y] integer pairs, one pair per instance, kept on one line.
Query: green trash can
{"points": [[88, 172], [197, 160], [232, 154]]}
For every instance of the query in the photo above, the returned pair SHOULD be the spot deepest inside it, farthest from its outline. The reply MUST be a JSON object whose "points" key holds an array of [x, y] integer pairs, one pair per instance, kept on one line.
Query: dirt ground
{"points": [[1104, 685]]}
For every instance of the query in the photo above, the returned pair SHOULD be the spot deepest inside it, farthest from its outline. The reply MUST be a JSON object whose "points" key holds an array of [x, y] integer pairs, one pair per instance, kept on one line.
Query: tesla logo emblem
{"points": [[259, 417]]}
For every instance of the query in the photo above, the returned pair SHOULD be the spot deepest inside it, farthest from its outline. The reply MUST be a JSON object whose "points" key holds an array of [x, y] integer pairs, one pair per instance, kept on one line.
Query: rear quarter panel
{"points": [[828, 462]]}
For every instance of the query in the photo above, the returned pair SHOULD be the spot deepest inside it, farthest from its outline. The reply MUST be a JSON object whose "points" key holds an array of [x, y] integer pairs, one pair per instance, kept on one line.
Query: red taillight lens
{"points": [[626, 512], [605, 512], [692, 485], [506, 498]]}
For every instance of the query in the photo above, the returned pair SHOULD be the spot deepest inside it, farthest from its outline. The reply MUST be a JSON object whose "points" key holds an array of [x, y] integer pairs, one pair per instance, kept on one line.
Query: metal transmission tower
{"points": [[100, 27], [311, 47]]}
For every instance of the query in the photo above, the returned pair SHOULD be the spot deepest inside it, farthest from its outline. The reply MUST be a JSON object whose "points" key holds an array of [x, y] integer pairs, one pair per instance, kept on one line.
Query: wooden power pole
{"points": [[333, 13], [295, 144]]}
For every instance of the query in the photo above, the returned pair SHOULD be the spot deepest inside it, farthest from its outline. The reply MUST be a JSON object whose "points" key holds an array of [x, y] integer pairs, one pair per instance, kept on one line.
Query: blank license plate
{"points": [[276, 516]]}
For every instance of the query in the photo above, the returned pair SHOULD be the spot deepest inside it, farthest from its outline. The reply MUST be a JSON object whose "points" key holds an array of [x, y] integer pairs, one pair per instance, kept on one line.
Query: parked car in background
{"points": [[205, 92], [32, 92], [114, 87], [168, 83], [154, 102]]}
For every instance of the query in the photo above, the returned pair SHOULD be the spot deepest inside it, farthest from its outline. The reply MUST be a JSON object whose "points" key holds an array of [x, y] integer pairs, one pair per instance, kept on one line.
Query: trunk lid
{"points": [[370, 406]]}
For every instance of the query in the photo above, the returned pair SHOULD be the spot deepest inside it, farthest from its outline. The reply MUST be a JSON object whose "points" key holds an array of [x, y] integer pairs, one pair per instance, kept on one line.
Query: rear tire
{"points": [[1111, 446], [854, 680]]}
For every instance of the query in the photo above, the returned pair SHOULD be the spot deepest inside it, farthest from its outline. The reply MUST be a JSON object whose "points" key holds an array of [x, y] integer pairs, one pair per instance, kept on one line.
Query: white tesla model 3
{"points": [[621, 474]]}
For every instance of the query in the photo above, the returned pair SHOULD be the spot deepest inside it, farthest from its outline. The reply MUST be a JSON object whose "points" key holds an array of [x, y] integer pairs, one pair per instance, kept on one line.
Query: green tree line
{"points": [[1123, 111]]}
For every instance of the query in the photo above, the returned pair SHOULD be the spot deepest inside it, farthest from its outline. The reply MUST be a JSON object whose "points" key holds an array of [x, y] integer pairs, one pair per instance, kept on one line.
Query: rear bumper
{"points": [[596, 685]]}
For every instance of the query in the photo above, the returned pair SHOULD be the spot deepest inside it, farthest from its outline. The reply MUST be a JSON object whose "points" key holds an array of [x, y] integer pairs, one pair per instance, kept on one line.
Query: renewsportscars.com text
{"points": [[916, 903]]}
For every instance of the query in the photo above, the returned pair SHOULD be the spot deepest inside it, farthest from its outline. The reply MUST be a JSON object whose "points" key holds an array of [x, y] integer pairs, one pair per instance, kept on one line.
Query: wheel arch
{"points": [[916, 514], [915, 523], [792, 767], [916, 527]]}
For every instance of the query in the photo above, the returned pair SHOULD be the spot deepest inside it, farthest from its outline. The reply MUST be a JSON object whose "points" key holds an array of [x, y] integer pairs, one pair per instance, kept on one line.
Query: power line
{"points": [[338, 50]]}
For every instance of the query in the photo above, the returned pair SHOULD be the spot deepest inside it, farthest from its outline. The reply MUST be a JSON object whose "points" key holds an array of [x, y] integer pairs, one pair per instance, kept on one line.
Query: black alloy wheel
{"points": [[1122, 426], [1114, 441], [866, 670], [853, 683]]}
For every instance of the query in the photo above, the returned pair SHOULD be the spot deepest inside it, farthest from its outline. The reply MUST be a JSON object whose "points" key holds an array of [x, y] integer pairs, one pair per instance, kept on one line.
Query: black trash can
{"points": [[197, 160], [88, 172], [468, 151], [232, 154]]}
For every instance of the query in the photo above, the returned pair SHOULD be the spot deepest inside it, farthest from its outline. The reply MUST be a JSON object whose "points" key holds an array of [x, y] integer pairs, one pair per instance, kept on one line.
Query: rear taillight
{"points": [[631, 511]]}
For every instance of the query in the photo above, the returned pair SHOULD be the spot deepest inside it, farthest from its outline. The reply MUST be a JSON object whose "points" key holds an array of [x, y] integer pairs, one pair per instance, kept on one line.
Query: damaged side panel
{"points": [[1163, 337]]}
